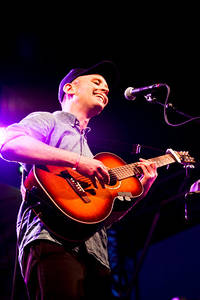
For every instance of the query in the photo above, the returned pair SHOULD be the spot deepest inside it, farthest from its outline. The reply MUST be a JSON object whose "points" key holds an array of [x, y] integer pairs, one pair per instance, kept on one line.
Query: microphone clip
{"points": [[150, 98]]}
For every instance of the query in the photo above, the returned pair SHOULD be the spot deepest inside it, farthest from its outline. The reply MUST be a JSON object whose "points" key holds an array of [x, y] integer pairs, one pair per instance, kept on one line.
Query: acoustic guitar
{"points": [[73, 208]]}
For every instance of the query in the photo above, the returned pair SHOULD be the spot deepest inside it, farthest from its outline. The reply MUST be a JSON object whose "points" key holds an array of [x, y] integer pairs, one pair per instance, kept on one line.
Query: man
{"points": [[51, 267]]}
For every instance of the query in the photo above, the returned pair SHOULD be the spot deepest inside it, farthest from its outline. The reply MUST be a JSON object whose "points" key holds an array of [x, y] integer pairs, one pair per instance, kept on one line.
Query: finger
{"points": [[147, 171], [102, 180], [149, 164], [93, 179], [97, 177], [102, 183], [105, 175], [142, 167]]}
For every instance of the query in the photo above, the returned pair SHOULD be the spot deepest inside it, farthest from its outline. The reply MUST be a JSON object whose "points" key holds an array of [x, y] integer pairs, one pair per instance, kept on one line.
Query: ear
{"points": [[68, 89]]}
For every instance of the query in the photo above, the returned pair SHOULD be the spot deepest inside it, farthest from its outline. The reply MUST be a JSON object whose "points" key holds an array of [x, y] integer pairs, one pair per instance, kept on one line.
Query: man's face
{"points": [[91, 92]]}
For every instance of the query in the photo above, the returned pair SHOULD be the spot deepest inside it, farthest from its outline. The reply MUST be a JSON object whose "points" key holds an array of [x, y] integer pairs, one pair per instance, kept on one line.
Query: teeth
{"points": [[100, 98]]}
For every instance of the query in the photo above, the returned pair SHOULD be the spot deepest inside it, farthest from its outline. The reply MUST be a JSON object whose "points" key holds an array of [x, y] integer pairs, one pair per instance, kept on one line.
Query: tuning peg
{"points": [[189, 166]]}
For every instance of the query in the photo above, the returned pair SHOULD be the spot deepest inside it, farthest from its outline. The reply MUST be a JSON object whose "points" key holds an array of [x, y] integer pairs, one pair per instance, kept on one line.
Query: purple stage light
{"points": [[2, 135]]}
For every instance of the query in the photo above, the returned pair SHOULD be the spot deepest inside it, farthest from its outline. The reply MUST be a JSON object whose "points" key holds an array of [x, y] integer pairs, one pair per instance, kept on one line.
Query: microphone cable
{"points": [[166, 105]]}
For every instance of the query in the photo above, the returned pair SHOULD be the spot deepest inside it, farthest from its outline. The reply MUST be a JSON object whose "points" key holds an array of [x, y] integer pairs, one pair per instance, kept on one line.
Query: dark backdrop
{"points": [[36, 52]]}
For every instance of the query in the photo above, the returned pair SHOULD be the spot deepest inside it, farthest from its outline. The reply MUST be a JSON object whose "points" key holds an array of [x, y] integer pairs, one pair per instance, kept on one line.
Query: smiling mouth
{"points": [[100, 98]]}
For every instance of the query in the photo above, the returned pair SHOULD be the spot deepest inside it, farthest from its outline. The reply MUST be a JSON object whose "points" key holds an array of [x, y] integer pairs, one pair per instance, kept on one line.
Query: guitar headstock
{"points": [[183, 157]]}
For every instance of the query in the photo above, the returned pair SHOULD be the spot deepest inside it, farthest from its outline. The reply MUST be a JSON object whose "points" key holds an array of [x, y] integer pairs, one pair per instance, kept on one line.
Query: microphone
{"points": [[131, 93]]}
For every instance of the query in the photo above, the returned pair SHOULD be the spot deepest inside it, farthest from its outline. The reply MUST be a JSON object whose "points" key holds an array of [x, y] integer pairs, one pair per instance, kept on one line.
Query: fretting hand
{"points": [[150, 174]]}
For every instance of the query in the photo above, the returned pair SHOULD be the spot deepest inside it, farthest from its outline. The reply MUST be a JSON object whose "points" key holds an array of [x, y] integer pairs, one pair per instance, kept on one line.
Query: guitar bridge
{"points": [[75, 185]]}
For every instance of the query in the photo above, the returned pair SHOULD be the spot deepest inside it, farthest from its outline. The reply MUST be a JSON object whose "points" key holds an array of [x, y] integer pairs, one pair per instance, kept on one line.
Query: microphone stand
{"points": [[151, 99], [134, 281], [170, 106]]}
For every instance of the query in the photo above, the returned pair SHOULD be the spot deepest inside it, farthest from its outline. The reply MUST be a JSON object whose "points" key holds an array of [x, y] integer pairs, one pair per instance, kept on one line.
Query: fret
{"points": [[132, 169], [163, 160]]}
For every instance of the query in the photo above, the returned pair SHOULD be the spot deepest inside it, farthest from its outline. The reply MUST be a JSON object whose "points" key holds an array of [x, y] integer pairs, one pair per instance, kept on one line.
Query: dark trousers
{"points": [[50, 272]]}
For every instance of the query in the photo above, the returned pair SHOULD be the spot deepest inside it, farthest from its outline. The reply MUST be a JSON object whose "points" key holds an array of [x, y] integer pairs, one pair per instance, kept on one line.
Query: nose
{"points": [[105, 90]]}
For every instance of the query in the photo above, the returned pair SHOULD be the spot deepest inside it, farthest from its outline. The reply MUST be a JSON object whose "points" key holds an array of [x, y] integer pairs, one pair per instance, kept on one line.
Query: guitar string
{"points": [[116, 173], [125, 170], [130, 169]]}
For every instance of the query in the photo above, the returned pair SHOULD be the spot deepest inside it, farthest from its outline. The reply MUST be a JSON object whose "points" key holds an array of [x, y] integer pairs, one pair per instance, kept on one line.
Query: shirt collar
{"points": [[70, 119]]}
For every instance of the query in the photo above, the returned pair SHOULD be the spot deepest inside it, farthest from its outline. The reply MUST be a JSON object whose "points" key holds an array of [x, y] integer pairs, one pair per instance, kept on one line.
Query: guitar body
{"points": [[86, 209], [70, 205]]}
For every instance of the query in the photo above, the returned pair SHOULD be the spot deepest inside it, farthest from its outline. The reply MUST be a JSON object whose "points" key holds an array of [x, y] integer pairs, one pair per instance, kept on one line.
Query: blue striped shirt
{"points": [[61, 130]]}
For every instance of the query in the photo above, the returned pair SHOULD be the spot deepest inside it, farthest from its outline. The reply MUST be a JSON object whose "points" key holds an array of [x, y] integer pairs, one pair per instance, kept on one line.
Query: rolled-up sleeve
{"points": [[37, 125]]}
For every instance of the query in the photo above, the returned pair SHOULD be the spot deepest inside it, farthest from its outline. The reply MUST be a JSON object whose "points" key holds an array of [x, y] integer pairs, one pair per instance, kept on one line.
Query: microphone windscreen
{"points": [[128, 94]]}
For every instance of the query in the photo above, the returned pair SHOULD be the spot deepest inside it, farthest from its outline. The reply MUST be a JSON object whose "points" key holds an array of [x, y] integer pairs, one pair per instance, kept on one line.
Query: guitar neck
{"points": [[132, 169]]}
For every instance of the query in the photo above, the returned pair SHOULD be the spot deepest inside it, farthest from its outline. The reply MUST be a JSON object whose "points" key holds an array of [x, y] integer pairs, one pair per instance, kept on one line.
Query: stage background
{"points": [[36, 52]]}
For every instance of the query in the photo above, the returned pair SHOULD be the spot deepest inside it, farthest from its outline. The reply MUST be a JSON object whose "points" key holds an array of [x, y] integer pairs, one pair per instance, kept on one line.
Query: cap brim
{"points": [[108, 70]]}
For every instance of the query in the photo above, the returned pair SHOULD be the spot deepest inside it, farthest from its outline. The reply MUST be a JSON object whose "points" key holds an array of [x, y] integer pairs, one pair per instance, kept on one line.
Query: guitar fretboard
{"points": [[132, 169]]}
